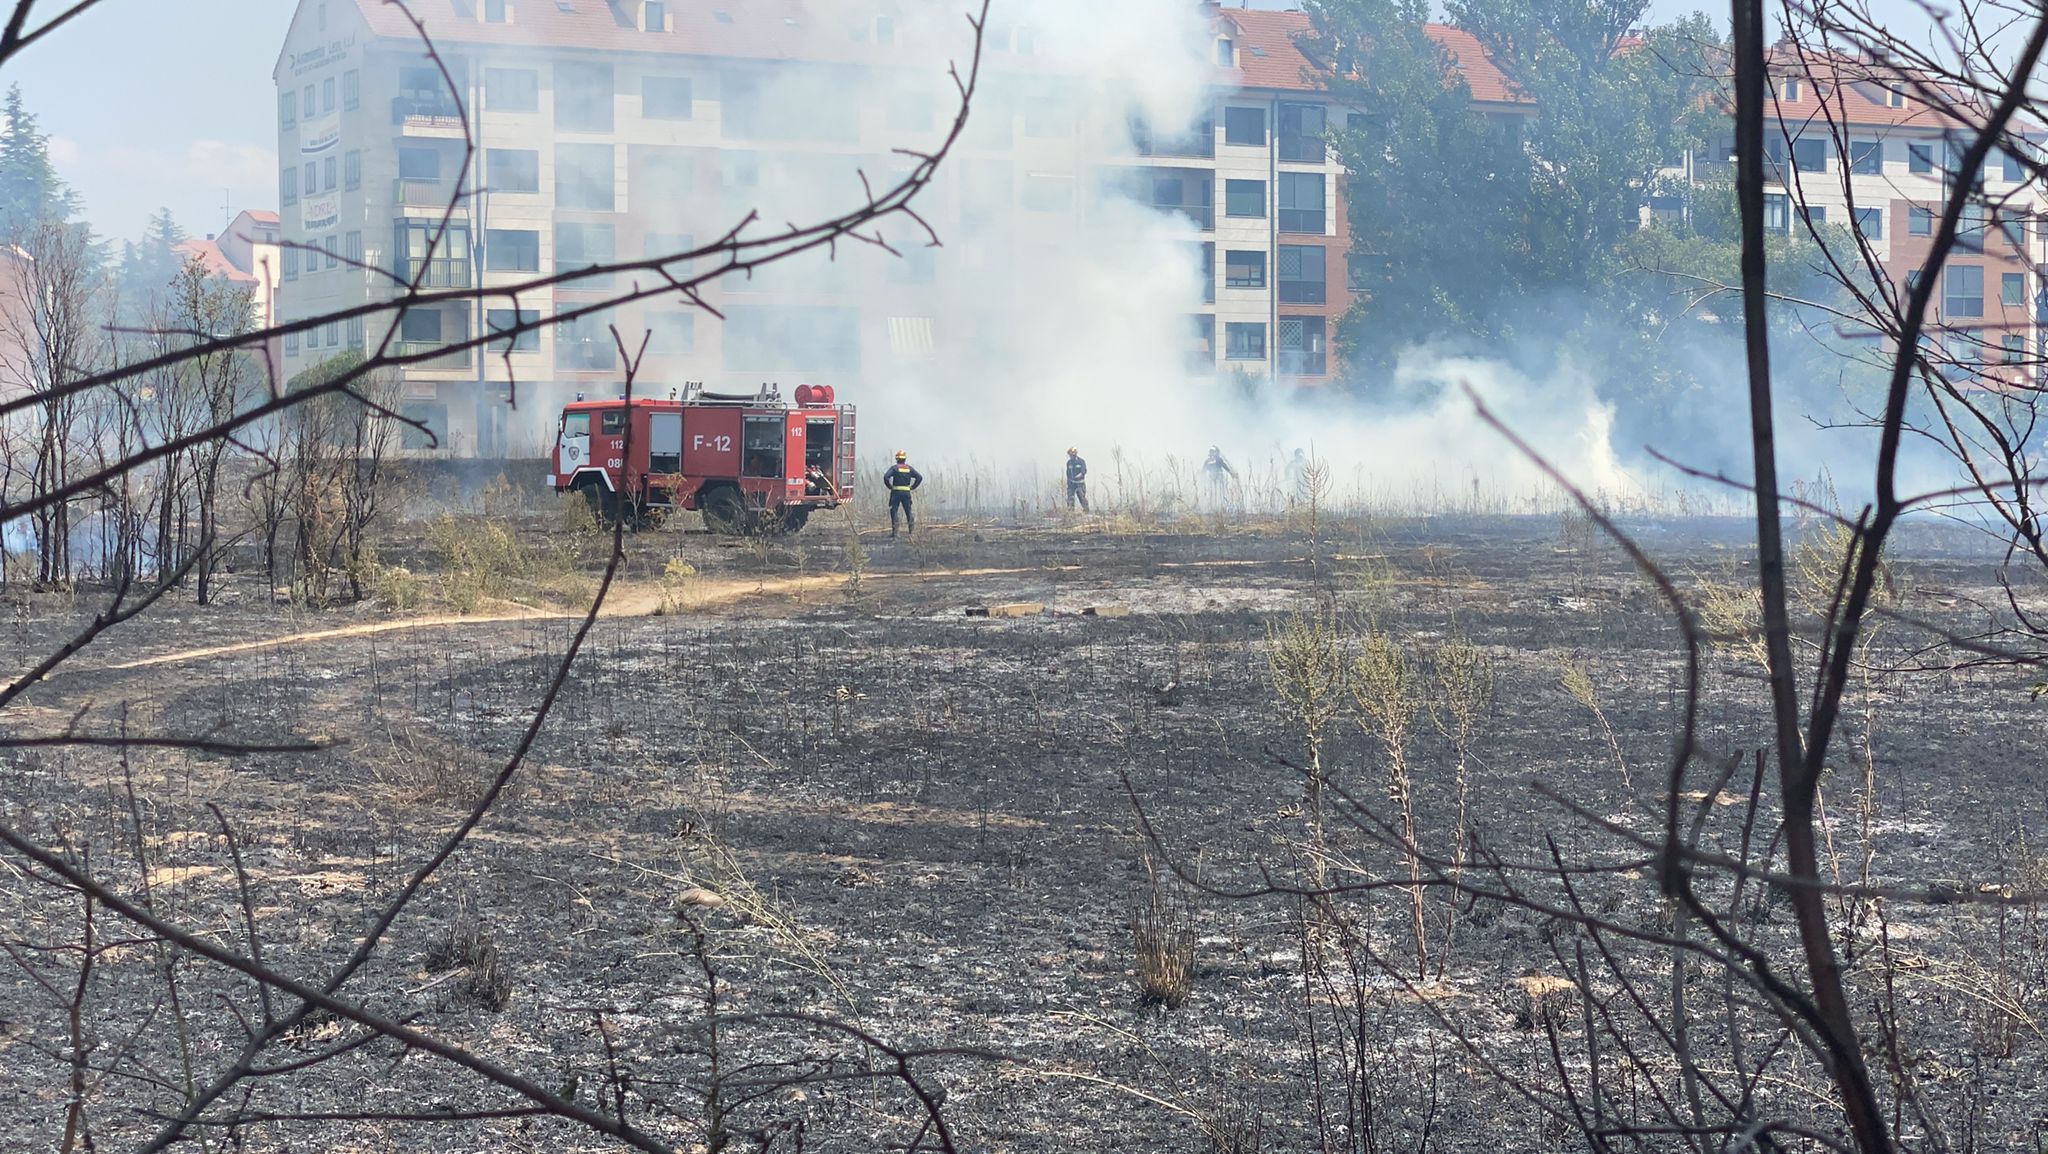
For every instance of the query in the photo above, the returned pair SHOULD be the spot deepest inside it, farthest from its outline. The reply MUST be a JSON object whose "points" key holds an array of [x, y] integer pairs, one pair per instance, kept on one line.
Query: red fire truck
{"points": [[749, 461]]}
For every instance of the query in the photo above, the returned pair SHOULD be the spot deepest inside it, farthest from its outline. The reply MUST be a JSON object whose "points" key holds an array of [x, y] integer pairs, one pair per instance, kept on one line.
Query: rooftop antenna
{"points": [[227, 208]]}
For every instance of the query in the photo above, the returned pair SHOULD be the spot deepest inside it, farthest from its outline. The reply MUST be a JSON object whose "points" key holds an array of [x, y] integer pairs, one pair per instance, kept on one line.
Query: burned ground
{"points": [[858, 805]]}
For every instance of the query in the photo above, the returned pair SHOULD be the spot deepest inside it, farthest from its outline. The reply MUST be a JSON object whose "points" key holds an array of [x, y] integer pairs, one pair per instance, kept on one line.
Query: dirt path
{"points": [[623, 601]]}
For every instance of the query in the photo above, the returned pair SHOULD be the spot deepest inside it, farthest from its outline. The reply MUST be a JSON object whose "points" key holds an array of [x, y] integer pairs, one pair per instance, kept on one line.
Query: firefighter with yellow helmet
{"points": [[901, 480]]}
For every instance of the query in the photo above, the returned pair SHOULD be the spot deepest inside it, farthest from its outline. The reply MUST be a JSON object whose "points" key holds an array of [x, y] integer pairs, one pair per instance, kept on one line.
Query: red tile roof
{"points": [[260, 215], [1856, 92], [211, 259], [1269, 55]]}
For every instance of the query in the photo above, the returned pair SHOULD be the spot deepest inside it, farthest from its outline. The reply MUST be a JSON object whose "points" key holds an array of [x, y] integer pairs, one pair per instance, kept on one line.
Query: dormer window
{"points": [[1894, 96], [497, 11], [1226, 52], [654, 16], [1791, 90]]}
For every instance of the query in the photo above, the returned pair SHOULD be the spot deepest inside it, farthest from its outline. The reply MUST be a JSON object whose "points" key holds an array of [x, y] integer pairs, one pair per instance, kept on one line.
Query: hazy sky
{"points": [[169, 103]]}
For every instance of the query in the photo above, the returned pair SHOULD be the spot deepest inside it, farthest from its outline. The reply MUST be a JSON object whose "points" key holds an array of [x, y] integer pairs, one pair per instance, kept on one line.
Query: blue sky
{"points": [[169, 103]]}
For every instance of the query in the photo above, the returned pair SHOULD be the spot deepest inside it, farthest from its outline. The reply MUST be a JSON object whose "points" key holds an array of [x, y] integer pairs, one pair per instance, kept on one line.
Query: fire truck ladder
{"points": [[845, 456]]}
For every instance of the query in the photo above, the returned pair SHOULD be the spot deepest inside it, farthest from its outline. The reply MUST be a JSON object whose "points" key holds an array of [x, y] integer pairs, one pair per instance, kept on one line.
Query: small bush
{"points": [[468, 944]]}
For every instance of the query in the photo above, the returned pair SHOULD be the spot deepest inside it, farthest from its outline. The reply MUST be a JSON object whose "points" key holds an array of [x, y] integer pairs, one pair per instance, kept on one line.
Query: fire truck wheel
{"points": [[725, 512]]}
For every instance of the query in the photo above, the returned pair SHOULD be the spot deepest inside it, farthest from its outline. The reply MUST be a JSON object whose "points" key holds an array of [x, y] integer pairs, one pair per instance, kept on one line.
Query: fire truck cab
{"points": [[749, 462]]}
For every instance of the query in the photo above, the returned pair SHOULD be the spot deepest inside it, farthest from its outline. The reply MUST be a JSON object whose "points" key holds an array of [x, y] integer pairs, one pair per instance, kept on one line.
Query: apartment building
{"points": [[616, 129], [246, 255], [1853, 144]]}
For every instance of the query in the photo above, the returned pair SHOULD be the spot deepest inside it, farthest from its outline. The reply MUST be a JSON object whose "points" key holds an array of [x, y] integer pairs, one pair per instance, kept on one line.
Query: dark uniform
{"points": [[1077, 482], [901, 480]]}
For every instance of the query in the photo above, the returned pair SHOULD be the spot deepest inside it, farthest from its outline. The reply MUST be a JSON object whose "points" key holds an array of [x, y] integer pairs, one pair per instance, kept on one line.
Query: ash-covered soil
{"points": [[814, 805]]}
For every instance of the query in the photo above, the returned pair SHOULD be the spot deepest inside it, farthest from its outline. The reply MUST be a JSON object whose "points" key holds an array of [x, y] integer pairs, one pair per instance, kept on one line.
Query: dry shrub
{"points": [[482, 558], [468, 945], [681, 587], [1302, 655], [396, 587], [1163, 944], [1732, 614]]}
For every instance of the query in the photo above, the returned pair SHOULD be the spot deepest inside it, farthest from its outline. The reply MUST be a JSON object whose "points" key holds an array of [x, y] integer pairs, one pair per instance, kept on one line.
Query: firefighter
{"points": [[1216, 470], [901, 480], [1298, 476], [1077, 480]]}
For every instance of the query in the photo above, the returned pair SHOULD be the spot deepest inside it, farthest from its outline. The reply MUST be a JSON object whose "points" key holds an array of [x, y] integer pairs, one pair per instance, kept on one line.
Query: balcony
{"points": [[428, 194], [1200, 141], [434, 114], [1302, 149], [1202, 215], [455, 360], [1302, 363]]}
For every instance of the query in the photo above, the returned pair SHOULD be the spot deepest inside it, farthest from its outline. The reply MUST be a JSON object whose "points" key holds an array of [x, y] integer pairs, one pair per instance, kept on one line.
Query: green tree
{"points": [[30, 191], [1492, 222], [152, 265]]}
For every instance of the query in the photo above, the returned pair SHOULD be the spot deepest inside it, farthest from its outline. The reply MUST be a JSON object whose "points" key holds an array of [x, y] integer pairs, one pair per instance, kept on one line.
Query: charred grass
{"points": [[864, 805]]}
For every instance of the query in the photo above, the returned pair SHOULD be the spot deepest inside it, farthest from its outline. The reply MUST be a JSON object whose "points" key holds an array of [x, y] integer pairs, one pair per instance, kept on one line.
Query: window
{"points": [[666, 174], [1301, 347], [1243, 269], [1810, 154], [511, 250], [1208, 262], [1913, 278], [666, 98], [352, 171], [447, 265], [1870, 223], [1244, 342], [661, 244], [583, 177], [908, 110], [2015, 346], [328, 168], [761, 446], [1202, 350], [513, 169], [354, 335], [287, 109], [289, 259], [332, 248], [1358, 273], [1777, 212], [1045, 192], [1301, 133], [583, 97], [671, 331], [332, 332], [586, 343], [327, 95], [1966, 349], [1226, 54], [291, 342], [1920, 221], [494, 11], [1303, 279], [306, 101], [657, 16], [1894, 96], [424, 92], [421, 164], [1245, 126], [312, 178], [511, 90], [1244, 198], [775, 338], [1866, 157], [1920, 158], [1301, 202], [1962, 290], [352, 248], [1791, 90], [2012, 289], [503, 320], [580, 246], [288, 185], [1971, 227], [420, 326], [351, 90], [1815, 215]]}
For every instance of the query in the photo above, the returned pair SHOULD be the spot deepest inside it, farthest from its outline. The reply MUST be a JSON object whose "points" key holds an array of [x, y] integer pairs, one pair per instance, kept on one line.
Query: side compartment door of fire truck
{"points": [[573, 451], [664, 455], [794, 455]]}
